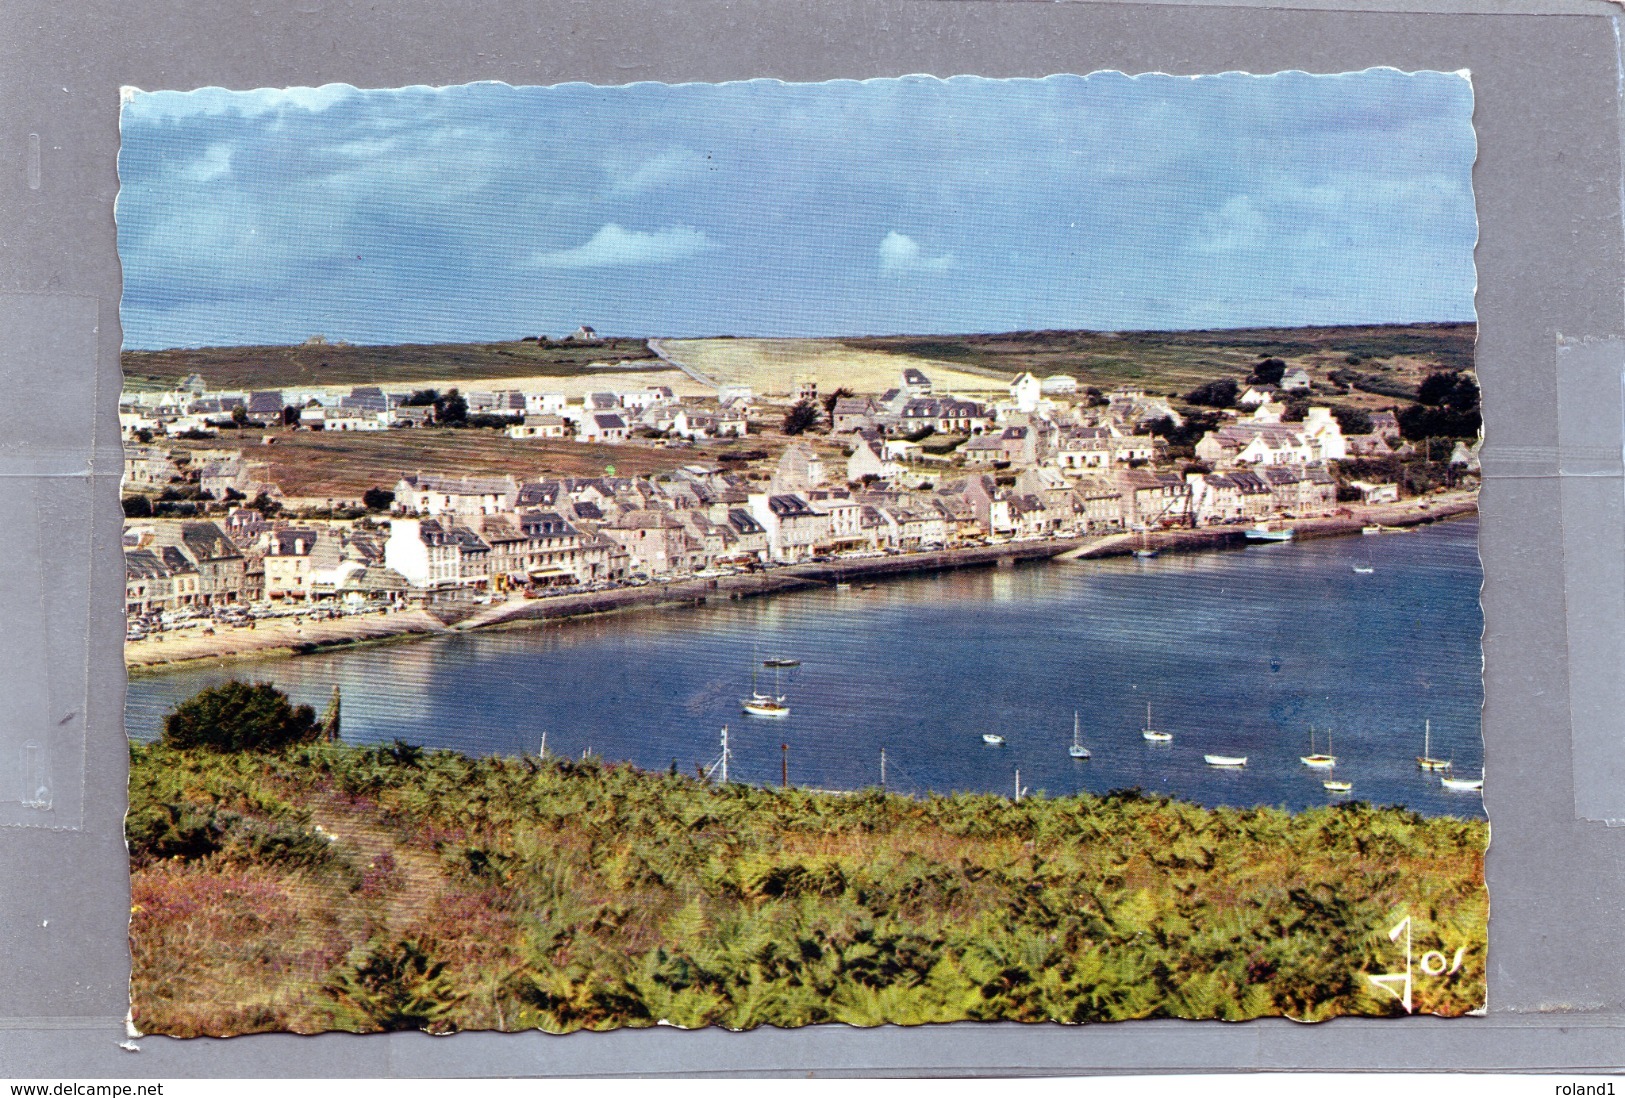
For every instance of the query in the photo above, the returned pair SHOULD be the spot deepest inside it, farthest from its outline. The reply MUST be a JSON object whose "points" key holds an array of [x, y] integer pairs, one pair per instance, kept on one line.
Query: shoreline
{"points": [[280, 639]]}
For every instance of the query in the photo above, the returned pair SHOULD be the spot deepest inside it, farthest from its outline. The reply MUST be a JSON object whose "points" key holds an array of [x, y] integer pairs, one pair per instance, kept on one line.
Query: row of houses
{"points": [[604, 417], [453, 536]]}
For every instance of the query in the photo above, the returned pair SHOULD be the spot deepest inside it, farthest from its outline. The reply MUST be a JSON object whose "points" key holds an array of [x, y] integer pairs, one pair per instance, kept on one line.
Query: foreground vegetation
{"points": [[322, 886]]}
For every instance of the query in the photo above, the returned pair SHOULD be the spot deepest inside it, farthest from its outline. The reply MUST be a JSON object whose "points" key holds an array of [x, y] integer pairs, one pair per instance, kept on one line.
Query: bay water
{"points": [[1237, 652]]}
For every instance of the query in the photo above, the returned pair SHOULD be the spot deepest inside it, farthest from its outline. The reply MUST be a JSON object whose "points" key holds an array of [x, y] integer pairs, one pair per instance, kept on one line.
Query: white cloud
{"points": [[214, 163], [613, 246], [146, 106], [900, 254], [655, 171]]}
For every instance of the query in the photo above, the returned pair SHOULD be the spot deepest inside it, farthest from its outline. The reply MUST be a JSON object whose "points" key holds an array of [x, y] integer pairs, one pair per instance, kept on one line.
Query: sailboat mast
{"points": [[1018, 785], [1427, 738], [724, 754], [883, 769]]}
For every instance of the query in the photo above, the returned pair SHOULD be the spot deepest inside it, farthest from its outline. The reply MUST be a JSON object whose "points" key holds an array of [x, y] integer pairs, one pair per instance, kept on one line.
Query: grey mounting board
{"points": [[1550, 263]]}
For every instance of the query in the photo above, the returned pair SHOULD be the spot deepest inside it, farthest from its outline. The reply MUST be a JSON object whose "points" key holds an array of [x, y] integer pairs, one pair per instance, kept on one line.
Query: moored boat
{"points": [[1463, 785], [1077, 750], [1363, 569], [764, 705], [1264, 533], [1372, 529], [992, 739], [1425, 760], [1151, 735], [781, 661], [1315, 759], [1228, 762]]}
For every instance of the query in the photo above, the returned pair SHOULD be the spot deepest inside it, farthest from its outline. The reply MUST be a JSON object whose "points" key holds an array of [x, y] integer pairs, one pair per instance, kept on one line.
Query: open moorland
{"points": [[340, 364], [385, 888], [1174, 362]]}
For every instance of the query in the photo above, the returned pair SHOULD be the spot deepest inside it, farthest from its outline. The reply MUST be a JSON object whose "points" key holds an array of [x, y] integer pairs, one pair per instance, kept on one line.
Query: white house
{"points": [[538, 426], [605, 427], [1026, 391]]}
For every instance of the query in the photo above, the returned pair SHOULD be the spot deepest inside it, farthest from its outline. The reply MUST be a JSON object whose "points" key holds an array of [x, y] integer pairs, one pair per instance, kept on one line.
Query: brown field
{"points": [[1175, 362], [407, 363], [346, 463], [771, 367]]}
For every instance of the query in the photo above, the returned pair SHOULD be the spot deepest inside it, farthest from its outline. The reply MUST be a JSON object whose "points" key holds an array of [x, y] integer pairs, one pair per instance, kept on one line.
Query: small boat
{"points": [[1077, 750], [1332, 785], [1150, 734], [992, 739], [781, 661], [764, 705], [1229, 762], [1264, 533], [1463, 785], [1316, 760], [1426, 760], [1372, 529], [843, 587], [1363, 569], [1144, 550]]}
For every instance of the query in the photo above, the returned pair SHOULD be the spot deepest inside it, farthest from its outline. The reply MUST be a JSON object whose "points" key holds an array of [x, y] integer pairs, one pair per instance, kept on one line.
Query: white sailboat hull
{"points": [[1463, 785], [1078, 752], [1232, 762], [1337, 787], [1157, 737], [992, 740], [1318, 762], [765, 707]]}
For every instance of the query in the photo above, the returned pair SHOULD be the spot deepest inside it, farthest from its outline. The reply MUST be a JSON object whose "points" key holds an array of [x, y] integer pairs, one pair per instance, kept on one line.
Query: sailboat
{"points": [[1363, 569], [1318, 761], [1152, 735], [1144, 550], [1077, 750], [781, 661], [764, 705], [1463, 785], [1228, 762], [1332, 785], [1426, 760]]}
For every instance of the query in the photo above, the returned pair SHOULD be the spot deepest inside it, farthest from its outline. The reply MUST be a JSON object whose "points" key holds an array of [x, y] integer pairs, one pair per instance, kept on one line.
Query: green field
{"points": [[229, 368], [332, 887]]}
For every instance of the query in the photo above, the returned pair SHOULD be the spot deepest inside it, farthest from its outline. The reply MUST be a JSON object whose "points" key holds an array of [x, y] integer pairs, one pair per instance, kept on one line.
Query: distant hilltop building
{"points": [[1059, 383], [315, 340], [584, 334], [806, 389]]}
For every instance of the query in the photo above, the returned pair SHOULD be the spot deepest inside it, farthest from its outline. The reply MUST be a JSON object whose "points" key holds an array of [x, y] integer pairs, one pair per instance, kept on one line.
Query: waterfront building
{"points": [[794, 529]]}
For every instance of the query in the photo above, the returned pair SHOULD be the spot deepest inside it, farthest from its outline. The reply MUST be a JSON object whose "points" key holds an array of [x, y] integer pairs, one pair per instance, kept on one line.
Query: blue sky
{"points": [[913, 205]]}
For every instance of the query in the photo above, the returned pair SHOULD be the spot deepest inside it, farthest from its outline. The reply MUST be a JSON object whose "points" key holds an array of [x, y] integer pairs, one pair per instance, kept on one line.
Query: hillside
{"points": [[1166, 362], [335, 887], [230, 368]]}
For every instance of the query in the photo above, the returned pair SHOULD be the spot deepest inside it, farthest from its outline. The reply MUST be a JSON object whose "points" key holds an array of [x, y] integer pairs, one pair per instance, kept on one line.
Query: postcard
{"points": [[893, 551]]}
